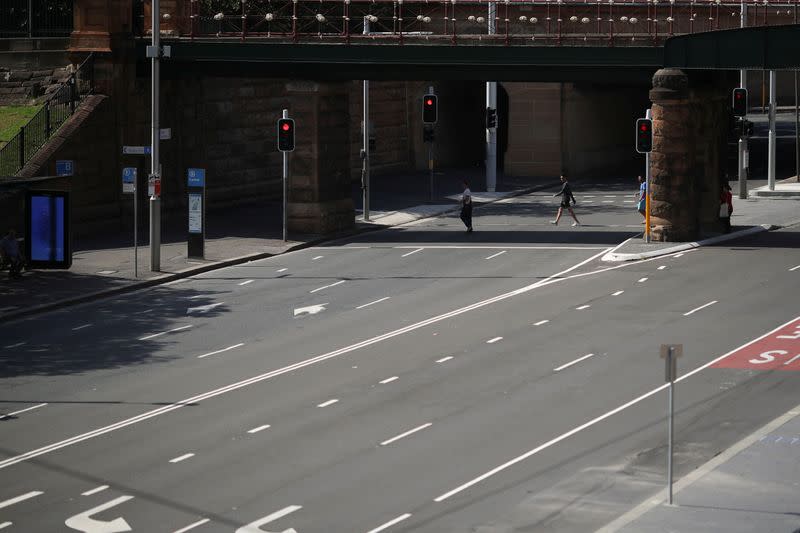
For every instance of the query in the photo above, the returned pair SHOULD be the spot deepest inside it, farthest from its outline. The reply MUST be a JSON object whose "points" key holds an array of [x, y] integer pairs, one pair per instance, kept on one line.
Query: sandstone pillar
{"points": [[673, 207], [320, 195]]}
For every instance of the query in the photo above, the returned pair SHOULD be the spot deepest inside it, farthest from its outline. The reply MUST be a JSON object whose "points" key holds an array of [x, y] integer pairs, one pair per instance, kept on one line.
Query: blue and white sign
{"points": [[129, 180], [197, 177], [136, 150], [64, 167]]}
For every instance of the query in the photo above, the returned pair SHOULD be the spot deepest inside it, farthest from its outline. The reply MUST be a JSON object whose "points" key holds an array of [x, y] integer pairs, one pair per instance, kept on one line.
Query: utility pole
{"points": [[491, 103], [742, 137], [771, 148], [154, 53], [796, 118], [365, 142]]}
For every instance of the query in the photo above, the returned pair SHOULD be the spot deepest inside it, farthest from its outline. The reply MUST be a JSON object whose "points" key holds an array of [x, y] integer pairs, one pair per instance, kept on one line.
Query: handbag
{"points": [[723, 211]]}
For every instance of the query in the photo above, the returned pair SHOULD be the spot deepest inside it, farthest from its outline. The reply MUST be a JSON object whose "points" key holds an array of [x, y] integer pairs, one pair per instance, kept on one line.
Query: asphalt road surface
{"points": [[416, 379]]}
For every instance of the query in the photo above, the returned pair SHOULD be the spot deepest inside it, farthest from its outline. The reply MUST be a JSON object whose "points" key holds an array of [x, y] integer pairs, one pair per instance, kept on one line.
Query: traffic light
{"points": [[644, 135], [748, 128], [739, 103], [286, 135], [429, 109], [427, 134], [491, 118]]}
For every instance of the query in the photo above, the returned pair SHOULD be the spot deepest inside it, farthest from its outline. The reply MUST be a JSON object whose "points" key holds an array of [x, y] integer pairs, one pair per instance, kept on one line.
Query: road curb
{"points": [[192, 271], [616, 257]]}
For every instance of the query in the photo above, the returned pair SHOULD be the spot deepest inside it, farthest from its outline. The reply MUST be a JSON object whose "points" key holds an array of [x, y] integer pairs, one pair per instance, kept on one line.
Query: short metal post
{"points": [[670, 365], [285, 184]]}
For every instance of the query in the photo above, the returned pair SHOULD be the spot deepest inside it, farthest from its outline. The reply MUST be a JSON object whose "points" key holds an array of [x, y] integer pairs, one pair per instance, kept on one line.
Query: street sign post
{"points": [[196, 183], [129, 175], [670, 354], [65, 167]]}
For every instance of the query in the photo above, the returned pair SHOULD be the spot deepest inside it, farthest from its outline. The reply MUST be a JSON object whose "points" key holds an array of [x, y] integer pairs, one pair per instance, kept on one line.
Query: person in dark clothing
{"points": [[9, 249], [725, 207], [466, 206], [566, 195]]}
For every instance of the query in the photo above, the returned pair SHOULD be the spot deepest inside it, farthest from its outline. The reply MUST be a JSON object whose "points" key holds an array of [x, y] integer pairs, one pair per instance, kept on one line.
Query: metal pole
{"points": [[491, 102], [285, 185], [30, 19], [647, 189], [365, 140], [742, 138], [796, 117], [155, 199], [771, 147], [430, 157], [136, 226], [669, 430]]}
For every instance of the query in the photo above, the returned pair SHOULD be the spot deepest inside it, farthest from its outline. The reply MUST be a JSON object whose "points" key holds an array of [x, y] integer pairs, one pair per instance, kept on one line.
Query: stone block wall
{"points": [[21, 86]]}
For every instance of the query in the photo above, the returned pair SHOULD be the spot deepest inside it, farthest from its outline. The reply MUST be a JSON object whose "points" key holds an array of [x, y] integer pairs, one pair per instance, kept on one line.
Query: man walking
{"points": [[641, 196], [466, 206], [9, 249], [566, 195]]}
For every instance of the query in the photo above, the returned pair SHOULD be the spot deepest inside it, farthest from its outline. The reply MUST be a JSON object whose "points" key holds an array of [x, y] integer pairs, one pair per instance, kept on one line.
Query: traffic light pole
{"points": [[771, 140], [155, 171], [365, 140], [285, 184], [491, 102], [742, 136], [647, 190]]}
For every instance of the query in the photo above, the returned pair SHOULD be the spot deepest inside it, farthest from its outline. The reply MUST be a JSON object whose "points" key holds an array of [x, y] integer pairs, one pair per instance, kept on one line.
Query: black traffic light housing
{"points": [[430, 109], [739, 102], [491, 118], [427, 134], [644, 135], [286, 135]]}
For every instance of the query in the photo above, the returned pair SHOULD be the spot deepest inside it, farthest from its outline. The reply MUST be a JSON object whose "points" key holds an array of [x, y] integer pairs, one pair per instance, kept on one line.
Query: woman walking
{"points": [[566, 195]]}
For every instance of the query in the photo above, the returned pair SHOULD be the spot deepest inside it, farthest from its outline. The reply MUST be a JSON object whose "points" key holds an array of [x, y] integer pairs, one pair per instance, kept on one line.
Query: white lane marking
{"points": [[259, 428], [642, 280], [203, 308], [602, 417], [310, 310], [101, 488], [8, 415], [253, 527], [495, 255], [246, 282], [554, 278], [589, 196], [712, 302], [84, 522], [21, 498], [17, 345], [282, 270], [181, 458], [317, 257], [794, 268], [6, 524], [328, 286], [154, 335], [582, 307], [406, 434], [388, 380], [390, 523], [375, 302], [329, 402], [412, 252], [679, 255], [609, 196], [617, 293], [608, 201], [576, 361], [82, 327], [143, 312], [480, 247], [541, 322], [494, 340], [221, 351], [628, 201], [192, 526], [662, 267], [443, 359]]}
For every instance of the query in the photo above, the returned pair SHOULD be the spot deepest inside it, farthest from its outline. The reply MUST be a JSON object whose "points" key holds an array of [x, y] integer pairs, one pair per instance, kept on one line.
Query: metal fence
{"points": [[35, 18], [61, 104]]}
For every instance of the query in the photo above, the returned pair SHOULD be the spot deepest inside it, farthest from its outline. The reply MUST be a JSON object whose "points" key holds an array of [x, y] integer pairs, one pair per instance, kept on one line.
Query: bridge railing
{"points": [[550, 22]]}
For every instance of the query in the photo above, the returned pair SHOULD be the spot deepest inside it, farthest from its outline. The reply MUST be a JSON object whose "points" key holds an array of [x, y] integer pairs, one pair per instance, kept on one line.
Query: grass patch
{"points": [[12, 118]]}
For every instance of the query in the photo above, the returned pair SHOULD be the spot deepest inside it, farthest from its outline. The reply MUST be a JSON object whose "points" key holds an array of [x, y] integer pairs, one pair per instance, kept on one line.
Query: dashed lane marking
{"points": [[9, 415], [192, 526], [390, 523], [181, 458], [406, 434], [101, 488], [21, 498], [329, 402]]}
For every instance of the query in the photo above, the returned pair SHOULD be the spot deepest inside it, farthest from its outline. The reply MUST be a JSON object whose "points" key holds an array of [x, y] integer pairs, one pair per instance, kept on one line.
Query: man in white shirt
{"points": [[466, 206]]}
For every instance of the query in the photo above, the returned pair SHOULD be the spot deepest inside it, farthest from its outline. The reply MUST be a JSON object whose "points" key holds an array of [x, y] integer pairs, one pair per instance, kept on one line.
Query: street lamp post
{"points": [[491, 103], [154, 53]]}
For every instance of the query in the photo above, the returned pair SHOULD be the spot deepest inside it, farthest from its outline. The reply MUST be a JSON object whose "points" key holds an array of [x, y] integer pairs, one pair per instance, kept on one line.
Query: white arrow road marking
{"points": [[22, 498], [253, 527], [310, 310], [83, 522], [203, 308]]}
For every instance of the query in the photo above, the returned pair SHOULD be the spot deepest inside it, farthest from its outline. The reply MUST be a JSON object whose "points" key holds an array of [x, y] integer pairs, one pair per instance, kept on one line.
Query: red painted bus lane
{"points": [[780, 350]]}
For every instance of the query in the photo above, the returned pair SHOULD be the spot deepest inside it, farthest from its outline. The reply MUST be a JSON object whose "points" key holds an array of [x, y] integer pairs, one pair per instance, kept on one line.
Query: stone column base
{"points": [[321, 217]]}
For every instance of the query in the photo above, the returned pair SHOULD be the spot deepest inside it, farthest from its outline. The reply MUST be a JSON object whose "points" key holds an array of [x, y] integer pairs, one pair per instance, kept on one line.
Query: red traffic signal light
{"points": [[739, 103], [285, 135], [429, 109], [644, 135]]}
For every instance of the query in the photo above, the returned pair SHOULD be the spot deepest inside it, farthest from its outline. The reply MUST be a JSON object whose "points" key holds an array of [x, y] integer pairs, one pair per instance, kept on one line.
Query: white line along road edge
{"points": [[555, 278], [600, 418]]}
